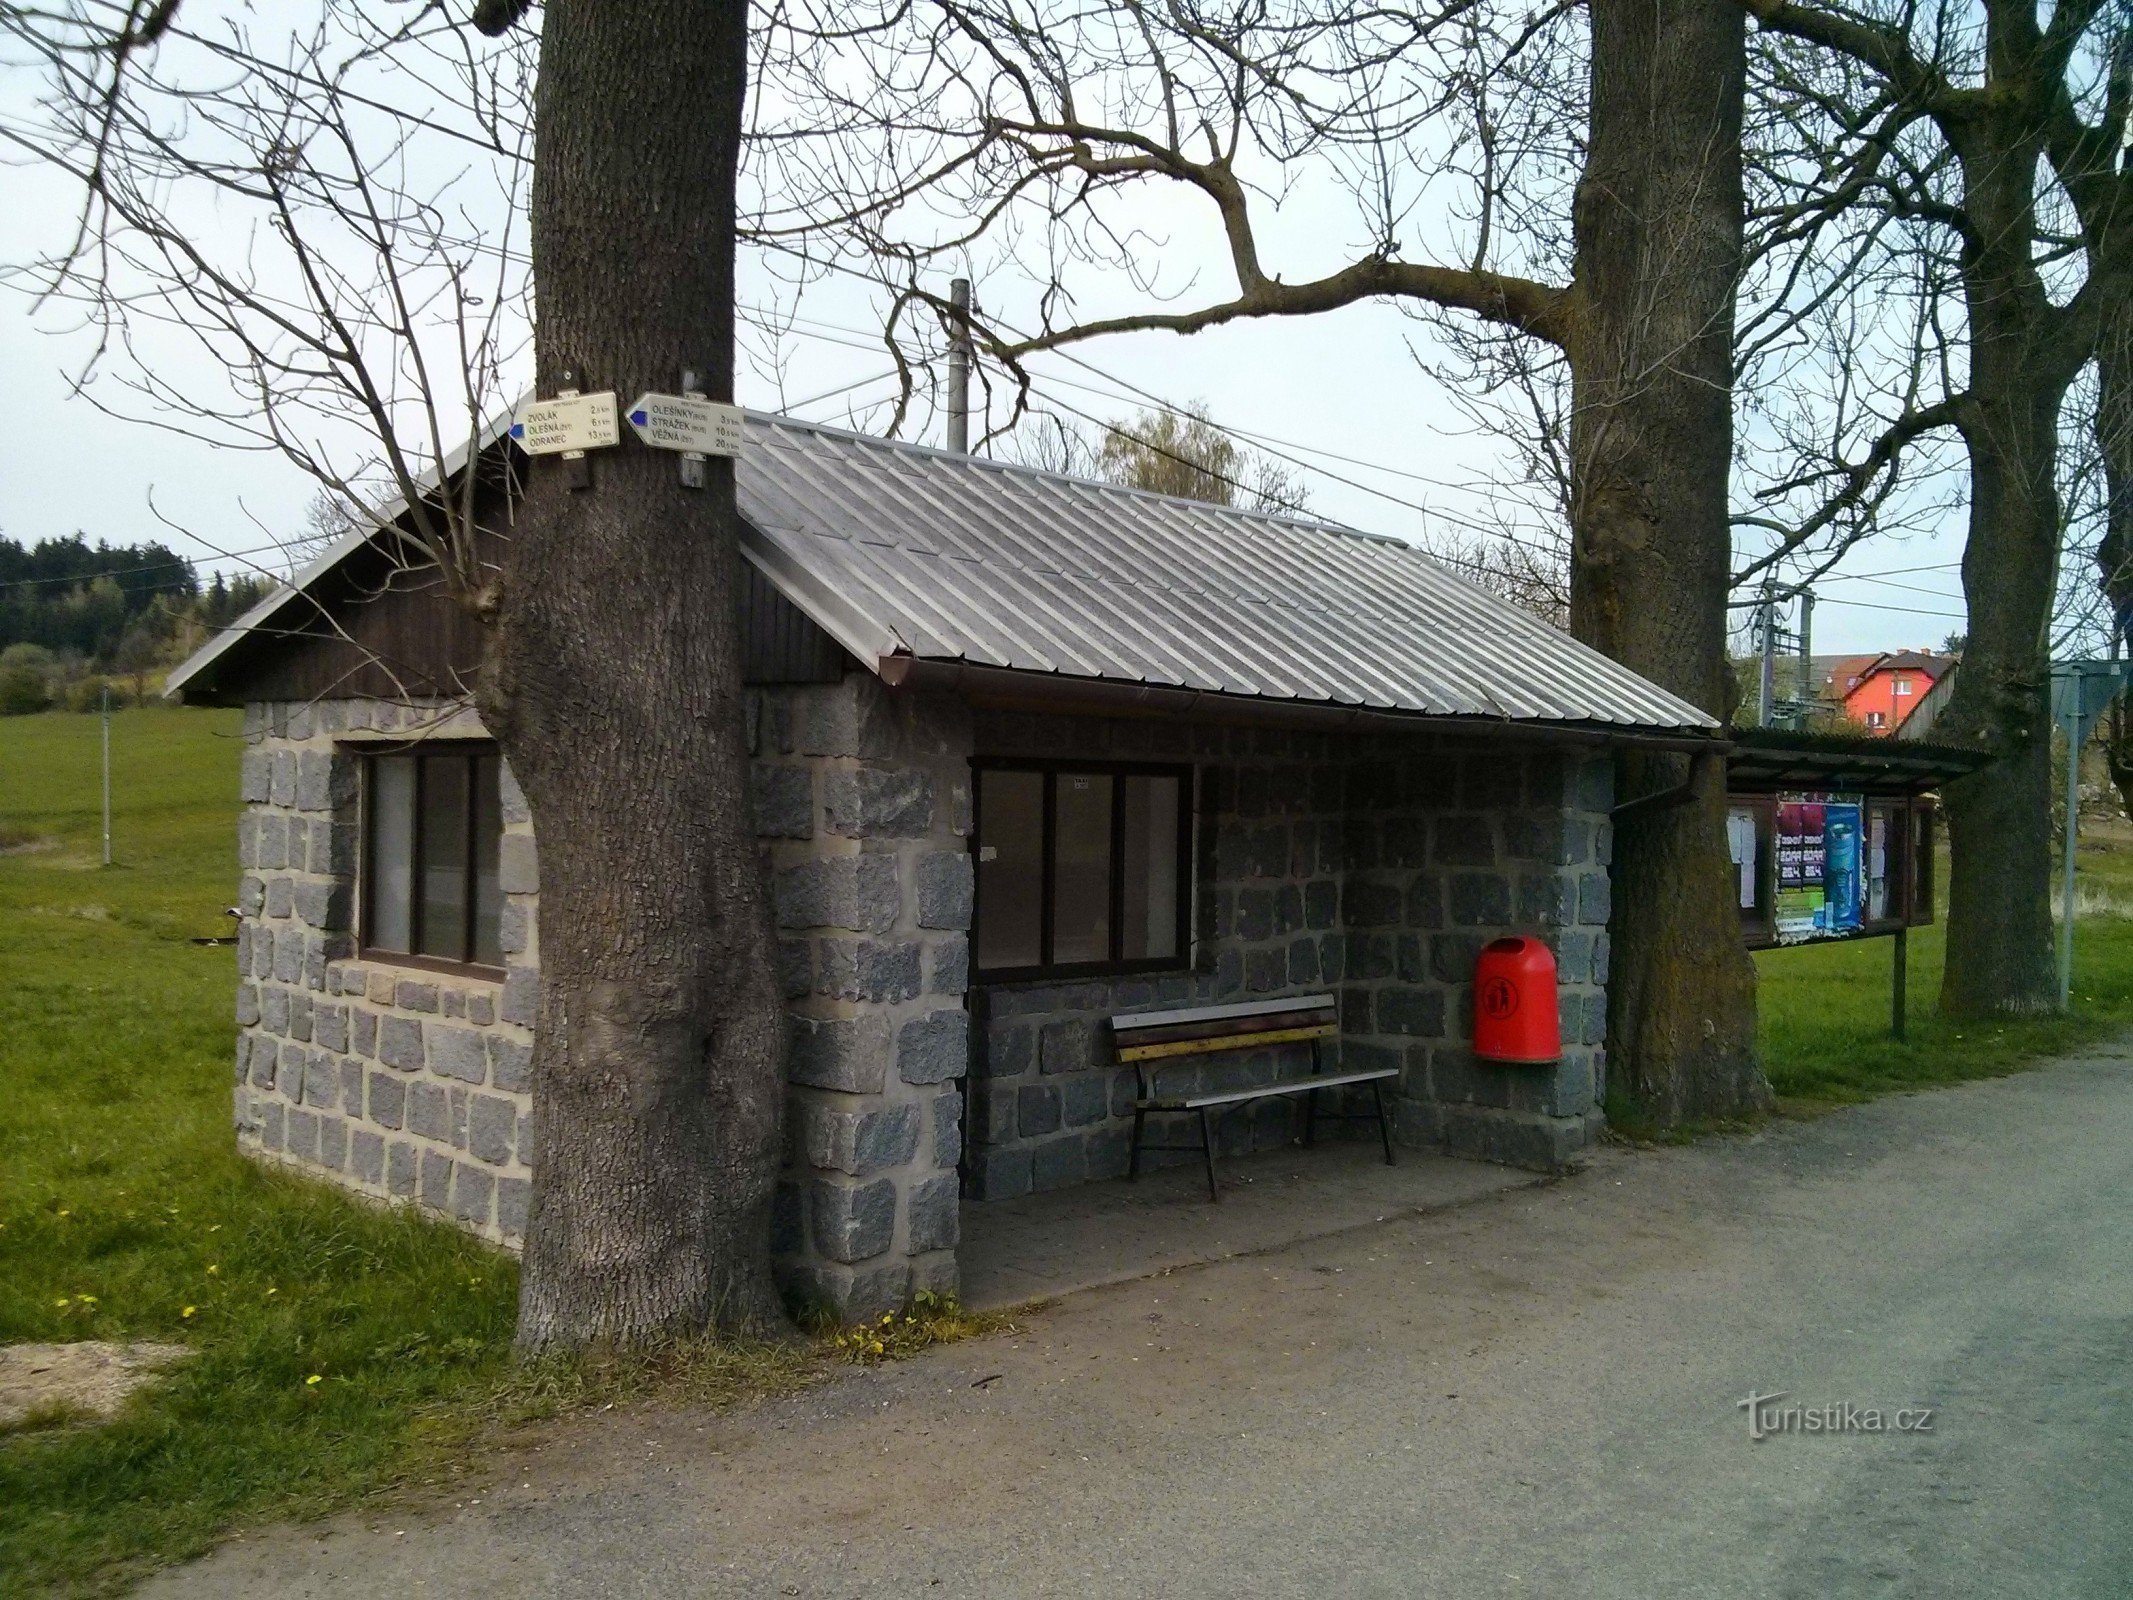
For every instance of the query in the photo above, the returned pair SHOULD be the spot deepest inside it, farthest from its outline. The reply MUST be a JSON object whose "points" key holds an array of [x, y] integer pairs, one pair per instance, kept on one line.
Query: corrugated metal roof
{"points": [[900, 550], [897, 550]]}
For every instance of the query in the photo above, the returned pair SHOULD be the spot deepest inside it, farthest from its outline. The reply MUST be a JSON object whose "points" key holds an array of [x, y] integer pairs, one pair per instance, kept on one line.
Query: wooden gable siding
{"points": [[376, 632], [779, 643], [368, 631]]}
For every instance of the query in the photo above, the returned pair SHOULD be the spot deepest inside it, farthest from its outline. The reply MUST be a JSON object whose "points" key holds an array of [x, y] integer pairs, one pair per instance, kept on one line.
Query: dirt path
{"points": [[1535, 1395]]}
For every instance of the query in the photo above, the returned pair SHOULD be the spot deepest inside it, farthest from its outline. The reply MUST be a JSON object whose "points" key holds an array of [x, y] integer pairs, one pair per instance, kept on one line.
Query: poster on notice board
{"points": [[1820, 868]]}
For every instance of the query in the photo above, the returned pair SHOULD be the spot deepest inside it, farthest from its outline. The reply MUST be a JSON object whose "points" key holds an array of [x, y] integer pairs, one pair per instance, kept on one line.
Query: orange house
{"points": [[1882, 691]]}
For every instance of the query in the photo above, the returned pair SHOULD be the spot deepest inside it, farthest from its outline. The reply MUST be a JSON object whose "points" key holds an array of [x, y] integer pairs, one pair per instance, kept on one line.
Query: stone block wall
{"points": [[1452, 842], [1373, 866], [411, 1085], [863, 805], [1047, 1107], [400, 1083], [1370, 865]]}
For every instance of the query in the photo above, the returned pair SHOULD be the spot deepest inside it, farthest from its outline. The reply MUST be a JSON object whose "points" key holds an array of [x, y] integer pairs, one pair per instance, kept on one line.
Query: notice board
{"points": [[1818, 865]]}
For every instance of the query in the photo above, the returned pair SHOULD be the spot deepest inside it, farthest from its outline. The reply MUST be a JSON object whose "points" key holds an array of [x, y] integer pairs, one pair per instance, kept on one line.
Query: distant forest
{"points": [[77, 619]]}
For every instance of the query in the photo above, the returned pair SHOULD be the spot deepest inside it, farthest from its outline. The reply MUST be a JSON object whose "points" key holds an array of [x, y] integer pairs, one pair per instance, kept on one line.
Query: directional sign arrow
{"points": [[683, 422], [567, 423]]}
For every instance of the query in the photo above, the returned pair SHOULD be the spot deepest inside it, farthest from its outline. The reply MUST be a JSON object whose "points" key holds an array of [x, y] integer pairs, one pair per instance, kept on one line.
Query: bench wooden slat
{"points": [[1228, 1041], [1331, 1080], [1257, 1030], [1228, 1012]]}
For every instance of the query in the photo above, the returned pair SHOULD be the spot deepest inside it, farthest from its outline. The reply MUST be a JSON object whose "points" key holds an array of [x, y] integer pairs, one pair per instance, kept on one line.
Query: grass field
{"points": [[1825, 1017], [321, 1328], [1825, 1008], [339, 1349]]}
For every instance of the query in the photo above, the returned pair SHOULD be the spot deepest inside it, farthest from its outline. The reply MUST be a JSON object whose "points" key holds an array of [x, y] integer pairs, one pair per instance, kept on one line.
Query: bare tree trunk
{"points": [[1999, 828], [1659, 223], [616, 692]]}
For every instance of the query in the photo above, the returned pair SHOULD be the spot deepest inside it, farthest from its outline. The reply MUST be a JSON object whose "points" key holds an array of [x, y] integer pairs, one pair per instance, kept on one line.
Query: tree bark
{"points": [[615, 690], [1999, 818], [1658, 246]]}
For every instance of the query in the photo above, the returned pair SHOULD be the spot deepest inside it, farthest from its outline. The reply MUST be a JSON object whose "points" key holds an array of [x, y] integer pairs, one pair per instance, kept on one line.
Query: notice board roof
{"points": [[1770, 760]]}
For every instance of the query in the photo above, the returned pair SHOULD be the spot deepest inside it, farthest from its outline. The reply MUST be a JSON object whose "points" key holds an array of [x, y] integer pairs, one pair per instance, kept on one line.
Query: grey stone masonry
{"points": [[363, 1071], [863, 808], [1370, 866], [422, 1080]]}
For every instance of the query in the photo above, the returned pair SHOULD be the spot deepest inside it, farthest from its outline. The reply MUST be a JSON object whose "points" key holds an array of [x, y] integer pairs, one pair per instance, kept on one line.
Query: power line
{"points": [[831, 394], [1884, 583], [1876, 605], [1200, 467], [1278, 447], [1271, 444], [1267, 443], [1889, 572], [1132, 392]]}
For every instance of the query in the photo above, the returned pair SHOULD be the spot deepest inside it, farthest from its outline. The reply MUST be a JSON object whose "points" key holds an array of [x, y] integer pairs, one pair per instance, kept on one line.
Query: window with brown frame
{"points": [[431, 822], [1082, 868]]}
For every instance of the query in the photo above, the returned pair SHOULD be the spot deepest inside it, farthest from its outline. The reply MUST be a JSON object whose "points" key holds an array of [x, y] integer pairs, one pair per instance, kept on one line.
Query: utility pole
{"points": [[959, 367], [1807, 661], [107, 774], [1766, 629]]}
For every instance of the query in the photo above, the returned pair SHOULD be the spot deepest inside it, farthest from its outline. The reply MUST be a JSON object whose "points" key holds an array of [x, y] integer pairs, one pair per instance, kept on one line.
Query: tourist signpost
{"points": [[689, 423], [568, 425]]}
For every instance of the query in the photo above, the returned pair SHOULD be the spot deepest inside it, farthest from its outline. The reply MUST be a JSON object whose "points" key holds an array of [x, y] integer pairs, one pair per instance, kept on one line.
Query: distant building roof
{"points": [[907, 555], [1841, 674], [1924, 661]]}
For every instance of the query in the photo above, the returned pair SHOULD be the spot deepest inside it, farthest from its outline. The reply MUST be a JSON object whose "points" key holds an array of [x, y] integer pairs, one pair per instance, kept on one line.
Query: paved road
{"points": [[1534, 1395]]}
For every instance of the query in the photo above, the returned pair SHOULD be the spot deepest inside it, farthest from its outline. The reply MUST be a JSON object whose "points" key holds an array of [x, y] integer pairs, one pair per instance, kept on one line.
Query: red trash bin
{"points": [[1516, 1019]]}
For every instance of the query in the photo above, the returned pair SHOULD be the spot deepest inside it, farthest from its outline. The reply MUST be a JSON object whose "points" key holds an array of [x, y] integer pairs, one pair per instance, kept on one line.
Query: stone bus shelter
{"points": [[1329, 765]]}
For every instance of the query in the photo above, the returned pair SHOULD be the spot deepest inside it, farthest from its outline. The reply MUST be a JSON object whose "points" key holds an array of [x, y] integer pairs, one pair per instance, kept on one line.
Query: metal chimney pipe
{"points": [[959, 367]]}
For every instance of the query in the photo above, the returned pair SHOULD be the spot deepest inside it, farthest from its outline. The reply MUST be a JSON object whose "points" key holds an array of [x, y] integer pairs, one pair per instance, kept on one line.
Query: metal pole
{"points": [[2118, 702], [959, 368], [1766, 623], [1807, 659], [695, 473], [107, 774], [2066, 871], [1901, 965]]}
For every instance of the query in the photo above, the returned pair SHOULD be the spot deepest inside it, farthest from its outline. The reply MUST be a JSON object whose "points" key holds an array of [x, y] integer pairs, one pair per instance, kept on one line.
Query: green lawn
{"points": [[1825, 1016], [337, 1348], [321, 1327]]}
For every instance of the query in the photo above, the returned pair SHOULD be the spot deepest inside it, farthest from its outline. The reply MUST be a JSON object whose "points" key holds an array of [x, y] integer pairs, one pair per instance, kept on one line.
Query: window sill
{"points": [[479, 971]]}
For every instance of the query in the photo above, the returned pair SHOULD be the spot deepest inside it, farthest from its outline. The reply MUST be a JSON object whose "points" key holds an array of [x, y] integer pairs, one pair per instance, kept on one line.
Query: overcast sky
{"points": [[1348, 382]]}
